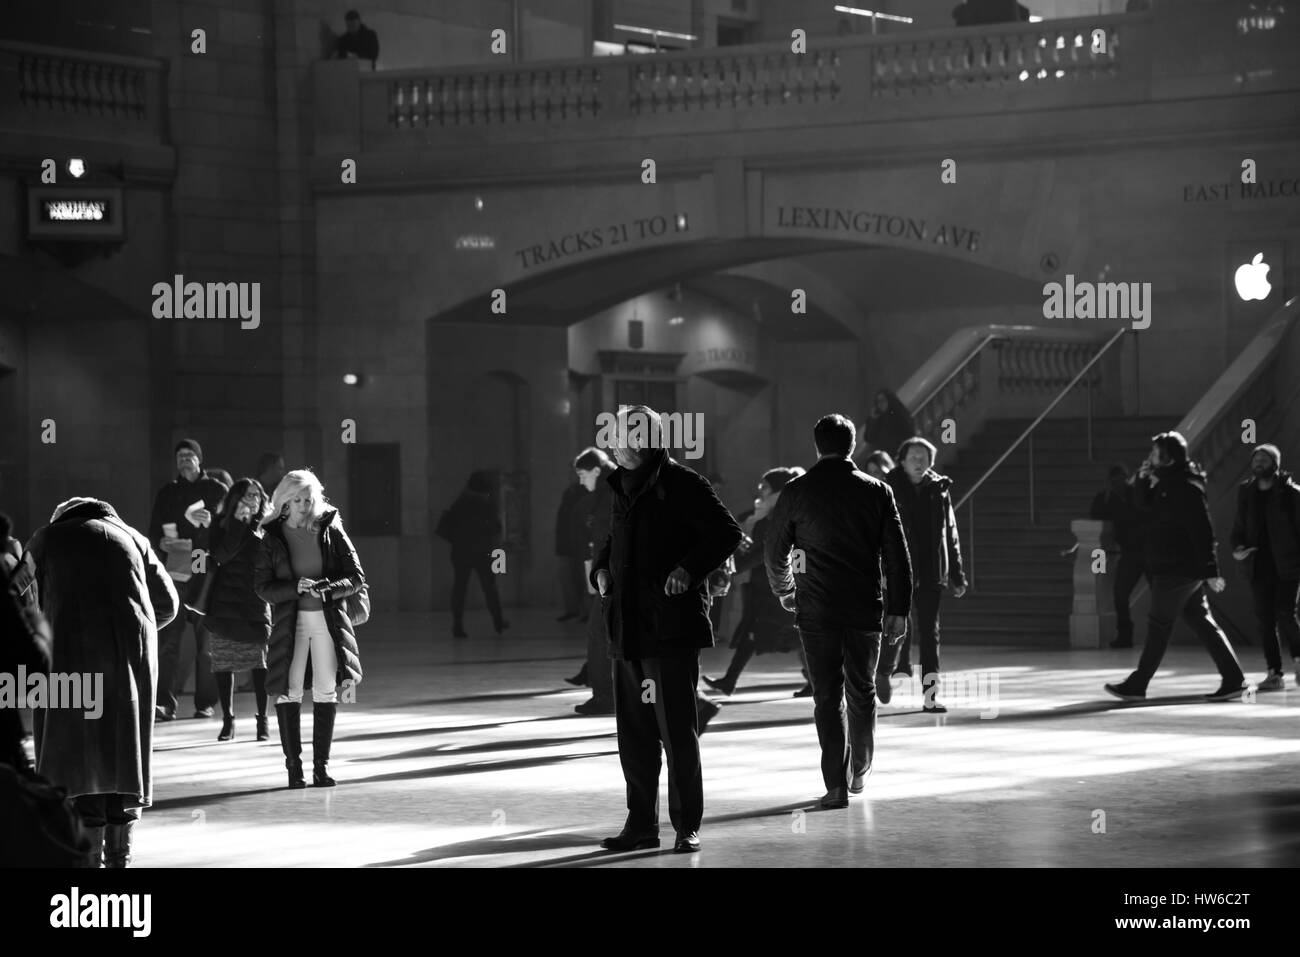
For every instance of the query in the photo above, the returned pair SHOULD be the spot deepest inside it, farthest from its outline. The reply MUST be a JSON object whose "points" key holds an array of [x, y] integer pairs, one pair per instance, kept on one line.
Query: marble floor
{"points": [[468, 754]]}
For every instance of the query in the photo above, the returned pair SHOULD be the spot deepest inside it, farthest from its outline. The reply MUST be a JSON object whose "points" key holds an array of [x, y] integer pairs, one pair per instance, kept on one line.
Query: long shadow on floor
{"points": [[488, 747], [450, 729], [493, 696]]}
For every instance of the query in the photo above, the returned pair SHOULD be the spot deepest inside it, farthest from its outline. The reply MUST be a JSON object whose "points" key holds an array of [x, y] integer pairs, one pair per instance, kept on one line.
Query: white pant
{"points": [[312, 638]]}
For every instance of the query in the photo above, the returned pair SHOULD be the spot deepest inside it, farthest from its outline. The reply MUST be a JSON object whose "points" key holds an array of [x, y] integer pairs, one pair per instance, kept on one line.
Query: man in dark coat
{"points": [[359, 40], [173, 506], [1116, 505], [572, 549], [668, 531], [105, 593], [1181, 561], [1266, 540], [846, 527], [924, 499]]}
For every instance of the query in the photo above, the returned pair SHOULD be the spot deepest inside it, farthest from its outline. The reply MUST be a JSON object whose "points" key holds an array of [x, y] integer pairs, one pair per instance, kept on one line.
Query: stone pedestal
{"points": [[1092, 618]]}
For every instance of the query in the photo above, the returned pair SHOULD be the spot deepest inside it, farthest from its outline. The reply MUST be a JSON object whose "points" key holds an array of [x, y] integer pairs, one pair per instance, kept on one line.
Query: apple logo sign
{"points": [[1252, 279]]}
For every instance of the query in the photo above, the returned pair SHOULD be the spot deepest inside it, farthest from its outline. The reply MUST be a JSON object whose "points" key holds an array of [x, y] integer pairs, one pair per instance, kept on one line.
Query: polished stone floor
{"points": [[468, 754]]}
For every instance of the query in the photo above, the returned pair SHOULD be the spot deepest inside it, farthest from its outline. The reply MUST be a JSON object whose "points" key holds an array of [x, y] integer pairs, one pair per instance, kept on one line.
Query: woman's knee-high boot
{"points": [[289, 717], [322, 736]]}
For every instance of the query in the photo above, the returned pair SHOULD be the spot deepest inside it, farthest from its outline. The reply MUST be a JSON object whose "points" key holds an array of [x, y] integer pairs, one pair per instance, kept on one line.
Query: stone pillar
{"points": [[1093, 614]]}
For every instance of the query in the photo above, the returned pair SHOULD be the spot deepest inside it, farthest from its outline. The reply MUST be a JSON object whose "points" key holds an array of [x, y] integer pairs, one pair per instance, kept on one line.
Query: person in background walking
{"points": [[878, 464], [847, 529], [889, 425], [1266, 541], [572, 548], [764, 625], [305, 568], [593, 468], [105, 593], [270, 470], [178, 527], [924, 499], [1116, 505], [237, 618], [668, 532], [1181, 561], [474, 532]]}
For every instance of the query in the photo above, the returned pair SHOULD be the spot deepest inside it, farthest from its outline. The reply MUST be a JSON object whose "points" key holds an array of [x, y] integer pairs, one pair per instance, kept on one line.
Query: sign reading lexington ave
{"points": [[863, 223]]}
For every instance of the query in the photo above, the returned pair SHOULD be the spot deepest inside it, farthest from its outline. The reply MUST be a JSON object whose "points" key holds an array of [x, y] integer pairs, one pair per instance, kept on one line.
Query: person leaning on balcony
{"points": [[1266, 541], [973, 13], [359, 40]]}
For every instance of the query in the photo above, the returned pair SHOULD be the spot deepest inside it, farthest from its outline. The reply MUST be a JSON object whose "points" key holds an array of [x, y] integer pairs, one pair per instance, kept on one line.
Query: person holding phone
{"points": [[306, 566], [1181, 563], [178, 531]]}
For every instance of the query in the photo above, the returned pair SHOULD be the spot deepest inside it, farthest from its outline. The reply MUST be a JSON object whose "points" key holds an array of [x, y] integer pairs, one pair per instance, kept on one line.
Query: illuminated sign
{"points": [[81, 213], [475, 242]]}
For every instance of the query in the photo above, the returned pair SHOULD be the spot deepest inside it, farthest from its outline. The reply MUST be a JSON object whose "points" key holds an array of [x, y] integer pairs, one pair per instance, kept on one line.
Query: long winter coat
{"points": [[764, 620], [475, 527], [1179, 534], [1281, 512], [276, 584], [674, 520], [571, 523], [941, 554], [106, 594], [235, 611]]}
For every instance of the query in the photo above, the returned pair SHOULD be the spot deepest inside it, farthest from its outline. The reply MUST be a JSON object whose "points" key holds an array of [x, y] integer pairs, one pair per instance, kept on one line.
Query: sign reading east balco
{"points": [[863, 223]]}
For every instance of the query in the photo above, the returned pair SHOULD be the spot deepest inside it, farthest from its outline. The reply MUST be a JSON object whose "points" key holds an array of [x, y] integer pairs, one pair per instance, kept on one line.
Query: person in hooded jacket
{"points": [[475, 530], [106, 595], [1181, 562], [1266, 541], [924, 499], [238, 620], [306, 568]]}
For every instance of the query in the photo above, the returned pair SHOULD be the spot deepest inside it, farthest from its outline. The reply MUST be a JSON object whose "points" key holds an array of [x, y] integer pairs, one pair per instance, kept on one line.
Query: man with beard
{"points": [[177, 528], [1181, 561], [668, 531], [1266, 540], [924, 500]]}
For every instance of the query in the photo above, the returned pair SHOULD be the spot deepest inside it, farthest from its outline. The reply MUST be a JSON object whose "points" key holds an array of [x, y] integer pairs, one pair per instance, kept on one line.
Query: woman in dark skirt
{"points": [[306, 569], [238, 621], [764, 625]]}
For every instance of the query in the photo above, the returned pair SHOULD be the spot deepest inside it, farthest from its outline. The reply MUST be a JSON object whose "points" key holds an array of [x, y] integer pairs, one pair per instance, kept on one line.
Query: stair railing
{"points": [[1028, 434]]}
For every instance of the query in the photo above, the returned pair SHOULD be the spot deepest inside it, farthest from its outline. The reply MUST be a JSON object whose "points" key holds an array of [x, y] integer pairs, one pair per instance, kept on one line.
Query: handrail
{"points": [[1119, 334], [974, 354]]}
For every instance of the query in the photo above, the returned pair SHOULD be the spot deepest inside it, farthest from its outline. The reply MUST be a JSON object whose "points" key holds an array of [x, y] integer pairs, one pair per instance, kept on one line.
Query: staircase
{"points": [[1023, 590]]}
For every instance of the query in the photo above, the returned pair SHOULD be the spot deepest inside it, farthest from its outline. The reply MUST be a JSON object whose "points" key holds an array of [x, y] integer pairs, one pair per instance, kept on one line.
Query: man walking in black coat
{"points": [[1181, 561], [1266, 540], [668, 531], [924, 499], [846, 526], [176, 531]]}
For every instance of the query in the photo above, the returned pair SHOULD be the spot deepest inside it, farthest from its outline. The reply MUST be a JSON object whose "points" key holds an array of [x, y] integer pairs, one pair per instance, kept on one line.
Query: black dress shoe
{"points": [[687, 842], [720, 685], [858, 783], [884, 688], [593, 706], [630, 842], [1126, 691], [705, 711], [835, 798], [935, 708], [805, 692], [162, 714], [580, 679]]}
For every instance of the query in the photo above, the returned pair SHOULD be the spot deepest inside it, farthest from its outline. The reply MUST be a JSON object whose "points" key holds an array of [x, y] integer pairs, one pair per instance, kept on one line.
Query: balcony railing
{"points": [[74, 93]]}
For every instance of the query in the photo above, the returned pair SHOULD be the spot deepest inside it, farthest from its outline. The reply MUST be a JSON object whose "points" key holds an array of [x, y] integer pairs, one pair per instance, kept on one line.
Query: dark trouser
{"points": [[669, 719], [460, 585], [600, 671], [842, 663], [226, 691], [924, 623], [1126, 576], [98, 810], [171, 674], [573, 583], [1276, 611], [1172, 595]]}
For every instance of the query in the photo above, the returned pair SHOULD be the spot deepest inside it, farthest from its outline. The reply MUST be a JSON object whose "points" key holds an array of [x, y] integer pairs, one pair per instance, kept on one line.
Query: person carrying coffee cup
{"points": [[178, 531]]}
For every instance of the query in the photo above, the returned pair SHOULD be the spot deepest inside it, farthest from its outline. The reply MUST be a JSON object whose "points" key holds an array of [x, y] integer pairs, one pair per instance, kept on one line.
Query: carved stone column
{"points": [[1093, 614]]}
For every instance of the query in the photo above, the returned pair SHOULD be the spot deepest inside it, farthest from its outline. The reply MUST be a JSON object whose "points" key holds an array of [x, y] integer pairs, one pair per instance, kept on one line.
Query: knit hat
{"points": [[1273, 452], [190, 444]]}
